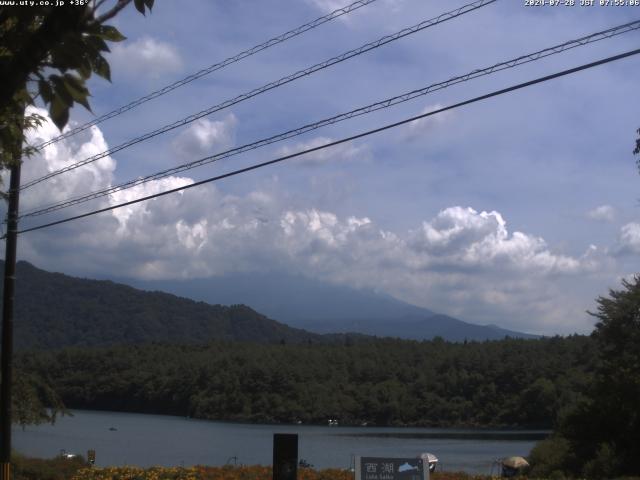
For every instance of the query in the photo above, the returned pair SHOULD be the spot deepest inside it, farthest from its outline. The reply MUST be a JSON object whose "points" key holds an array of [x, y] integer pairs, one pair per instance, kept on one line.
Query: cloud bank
{"points": [[462, 261]]}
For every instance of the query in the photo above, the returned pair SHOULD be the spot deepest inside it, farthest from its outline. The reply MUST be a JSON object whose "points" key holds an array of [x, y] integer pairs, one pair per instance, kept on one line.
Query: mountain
{"points": [[53, 310], [417, 328], [321, 307]]}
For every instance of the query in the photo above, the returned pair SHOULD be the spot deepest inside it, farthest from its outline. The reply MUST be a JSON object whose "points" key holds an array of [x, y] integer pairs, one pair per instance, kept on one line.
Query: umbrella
{"points": [[515, 462], [431, 460], [429, 457]]}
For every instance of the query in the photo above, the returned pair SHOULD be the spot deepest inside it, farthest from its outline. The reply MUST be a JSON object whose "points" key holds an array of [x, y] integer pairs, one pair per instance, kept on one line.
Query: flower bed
{"points": [[203, 473], [228, 473]]}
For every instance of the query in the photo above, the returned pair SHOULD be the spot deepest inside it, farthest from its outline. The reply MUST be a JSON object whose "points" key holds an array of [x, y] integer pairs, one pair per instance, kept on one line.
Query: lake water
{"points": [[145, 440]]}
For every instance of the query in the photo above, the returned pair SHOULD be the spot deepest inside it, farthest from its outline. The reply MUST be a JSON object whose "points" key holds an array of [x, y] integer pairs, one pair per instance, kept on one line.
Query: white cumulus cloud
{"points": [[206, 137], [54, 157], [145, 57], [603, 213], [463, 238], [629, 239]]}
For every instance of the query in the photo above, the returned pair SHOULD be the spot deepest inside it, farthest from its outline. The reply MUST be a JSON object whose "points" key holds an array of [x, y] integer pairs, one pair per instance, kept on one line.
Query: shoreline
{"points": [[537, 433]]}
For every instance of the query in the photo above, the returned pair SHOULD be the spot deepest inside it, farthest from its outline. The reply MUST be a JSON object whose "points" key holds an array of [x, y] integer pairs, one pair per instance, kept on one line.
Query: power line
{"points": [[270, 86], [343, 140], [212, 68], [618, 30]]}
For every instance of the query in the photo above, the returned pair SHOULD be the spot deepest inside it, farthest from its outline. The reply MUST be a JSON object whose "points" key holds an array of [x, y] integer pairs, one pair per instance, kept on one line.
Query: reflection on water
{"points": [[144, 440], [507, 435]]}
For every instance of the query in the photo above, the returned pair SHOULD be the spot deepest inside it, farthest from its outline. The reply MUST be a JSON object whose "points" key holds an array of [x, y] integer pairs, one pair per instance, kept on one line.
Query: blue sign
{"points": [[391, 468]]}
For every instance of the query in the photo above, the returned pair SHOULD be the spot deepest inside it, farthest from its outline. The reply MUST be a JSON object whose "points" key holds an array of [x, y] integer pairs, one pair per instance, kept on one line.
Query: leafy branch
{"points": [[50, 53]]}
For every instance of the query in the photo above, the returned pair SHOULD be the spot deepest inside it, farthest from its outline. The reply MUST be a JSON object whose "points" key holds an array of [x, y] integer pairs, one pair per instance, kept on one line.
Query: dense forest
{"points": [[512, 382]]}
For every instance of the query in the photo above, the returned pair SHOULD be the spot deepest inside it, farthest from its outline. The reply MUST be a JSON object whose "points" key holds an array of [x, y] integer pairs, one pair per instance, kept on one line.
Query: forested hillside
{"points": [[386, 382], [54, 310]]}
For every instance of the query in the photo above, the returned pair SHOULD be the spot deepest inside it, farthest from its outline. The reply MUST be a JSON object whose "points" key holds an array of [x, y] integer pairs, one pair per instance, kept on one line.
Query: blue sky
{"points": [[516, 211]]}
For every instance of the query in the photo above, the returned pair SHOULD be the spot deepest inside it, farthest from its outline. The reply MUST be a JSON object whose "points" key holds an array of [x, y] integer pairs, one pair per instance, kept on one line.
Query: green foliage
{"points": [[33, 399], [47, 52], [550, 458], [50, 53], [606, 428], [11, 138], [54, 310], [602, 428], [606, 461], [141, 4], [383, 382], [59, 468]]}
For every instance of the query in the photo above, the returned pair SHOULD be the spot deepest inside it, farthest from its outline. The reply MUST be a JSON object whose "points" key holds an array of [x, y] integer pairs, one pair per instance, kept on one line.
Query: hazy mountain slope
{"points": [[321, 307], [290, 299]]}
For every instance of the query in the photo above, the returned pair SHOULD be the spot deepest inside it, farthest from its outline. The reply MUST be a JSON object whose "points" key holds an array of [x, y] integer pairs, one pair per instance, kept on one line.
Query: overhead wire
{"points": [[341, 141], [270, 86], [210, 69], [521, 60]]}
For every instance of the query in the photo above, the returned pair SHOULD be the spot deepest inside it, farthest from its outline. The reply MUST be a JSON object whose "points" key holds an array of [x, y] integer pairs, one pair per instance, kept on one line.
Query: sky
{"points": [[517, 211]]}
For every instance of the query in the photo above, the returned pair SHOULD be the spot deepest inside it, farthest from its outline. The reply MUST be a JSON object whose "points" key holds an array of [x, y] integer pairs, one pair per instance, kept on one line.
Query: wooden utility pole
{"points": [[7, 322]]}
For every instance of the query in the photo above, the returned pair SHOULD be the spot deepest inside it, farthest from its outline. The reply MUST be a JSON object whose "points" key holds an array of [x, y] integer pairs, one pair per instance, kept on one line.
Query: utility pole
{"points": [[7, 321]]}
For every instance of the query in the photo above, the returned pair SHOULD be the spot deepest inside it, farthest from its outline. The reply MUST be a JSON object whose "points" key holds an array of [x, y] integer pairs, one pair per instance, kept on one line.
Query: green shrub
{"points": [[605, 462], [58, 468], [548, 459]]}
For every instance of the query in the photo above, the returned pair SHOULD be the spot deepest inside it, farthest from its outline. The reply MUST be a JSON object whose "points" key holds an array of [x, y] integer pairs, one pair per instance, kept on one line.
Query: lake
{"points": [[145, 440]]}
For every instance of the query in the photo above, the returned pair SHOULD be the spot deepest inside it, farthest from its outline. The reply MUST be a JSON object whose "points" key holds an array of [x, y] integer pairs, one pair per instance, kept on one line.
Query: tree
{"points": [[35, 401], [616, 443], [601, 434], [47, 52]]}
